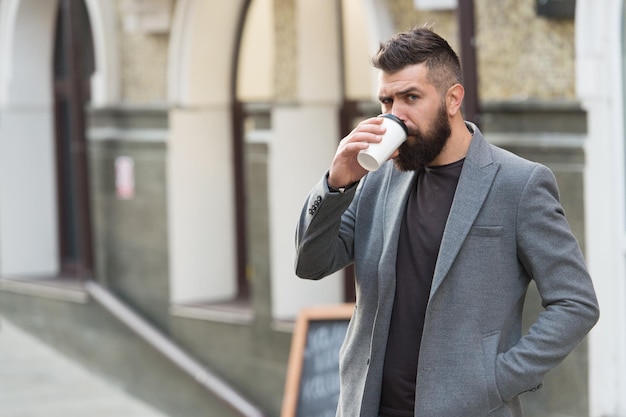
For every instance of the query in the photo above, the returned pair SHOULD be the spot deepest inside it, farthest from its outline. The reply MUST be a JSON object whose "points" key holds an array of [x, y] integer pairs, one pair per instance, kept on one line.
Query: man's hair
{"points": [[421, 45]]}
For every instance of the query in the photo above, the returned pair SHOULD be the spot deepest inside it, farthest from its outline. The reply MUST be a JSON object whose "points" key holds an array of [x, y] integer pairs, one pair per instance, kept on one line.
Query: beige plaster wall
{"points": [[443, 22], [286, 66], [520, 55], [143, 65]]}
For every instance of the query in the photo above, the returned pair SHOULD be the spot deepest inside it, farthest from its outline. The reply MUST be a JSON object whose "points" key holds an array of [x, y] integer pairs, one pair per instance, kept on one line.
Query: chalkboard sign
{"points": [[312, 386]]}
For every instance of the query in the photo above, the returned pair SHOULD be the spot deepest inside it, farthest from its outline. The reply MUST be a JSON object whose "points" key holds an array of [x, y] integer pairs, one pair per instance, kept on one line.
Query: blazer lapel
{"points": [[476, 178]]}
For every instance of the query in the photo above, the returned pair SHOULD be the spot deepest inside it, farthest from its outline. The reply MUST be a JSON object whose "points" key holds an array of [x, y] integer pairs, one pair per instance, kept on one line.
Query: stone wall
{"points": [[520, 55]]}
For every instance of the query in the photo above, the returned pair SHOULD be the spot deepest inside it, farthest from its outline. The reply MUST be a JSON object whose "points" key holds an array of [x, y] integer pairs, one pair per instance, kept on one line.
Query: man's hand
{"points": [[345, 169]]}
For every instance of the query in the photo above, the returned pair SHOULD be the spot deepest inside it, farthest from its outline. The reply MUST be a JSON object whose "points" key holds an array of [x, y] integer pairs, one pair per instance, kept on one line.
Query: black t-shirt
{"points": [[421, 232]]}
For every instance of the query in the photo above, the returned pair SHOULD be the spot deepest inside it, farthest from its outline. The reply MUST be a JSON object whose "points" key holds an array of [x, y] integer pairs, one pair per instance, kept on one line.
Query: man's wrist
{"points": [[341, 190]]}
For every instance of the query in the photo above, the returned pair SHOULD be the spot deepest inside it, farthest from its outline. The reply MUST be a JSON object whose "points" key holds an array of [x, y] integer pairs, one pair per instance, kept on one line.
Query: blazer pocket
{"points": [[490, 353], [486, 231]]}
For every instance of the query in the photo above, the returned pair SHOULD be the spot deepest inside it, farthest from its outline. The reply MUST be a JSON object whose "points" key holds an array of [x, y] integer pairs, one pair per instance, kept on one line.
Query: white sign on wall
{"points": [[435, 4], [124, 177]]}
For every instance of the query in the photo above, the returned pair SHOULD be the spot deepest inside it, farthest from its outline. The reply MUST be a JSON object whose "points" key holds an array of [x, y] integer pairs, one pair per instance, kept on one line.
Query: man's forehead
{"points": [[410, 71], [409, 78], [399, 88]]}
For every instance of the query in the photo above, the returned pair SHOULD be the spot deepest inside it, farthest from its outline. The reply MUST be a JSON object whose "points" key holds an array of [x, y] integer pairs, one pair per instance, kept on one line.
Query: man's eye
{"points": [[412, 97]]}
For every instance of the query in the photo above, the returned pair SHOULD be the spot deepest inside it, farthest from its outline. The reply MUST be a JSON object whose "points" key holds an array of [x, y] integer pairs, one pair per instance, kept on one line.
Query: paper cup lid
{"points": [[397, 120]]}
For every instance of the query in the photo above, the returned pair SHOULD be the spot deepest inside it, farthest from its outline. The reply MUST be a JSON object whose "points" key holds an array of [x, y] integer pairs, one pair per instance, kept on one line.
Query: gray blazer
{"points": [[506, 227]]}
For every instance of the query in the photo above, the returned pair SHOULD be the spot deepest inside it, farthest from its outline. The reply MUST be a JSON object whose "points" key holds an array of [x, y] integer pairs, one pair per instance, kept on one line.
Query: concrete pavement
{"points": [[37, 381]]}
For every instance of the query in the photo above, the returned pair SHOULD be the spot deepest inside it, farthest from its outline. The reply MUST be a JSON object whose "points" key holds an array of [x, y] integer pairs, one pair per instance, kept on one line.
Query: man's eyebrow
{"points": [[399, 93], [408, 90]]}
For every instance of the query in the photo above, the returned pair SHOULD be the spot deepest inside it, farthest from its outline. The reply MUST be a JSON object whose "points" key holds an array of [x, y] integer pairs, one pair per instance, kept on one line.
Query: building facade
{"points": [[154, 156]]}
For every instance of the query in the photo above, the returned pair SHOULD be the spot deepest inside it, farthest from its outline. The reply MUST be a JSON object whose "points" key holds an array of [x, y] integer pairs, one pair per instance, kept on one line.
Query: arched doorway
{"points": [[30, 229], [73, 67], [201, 201]]}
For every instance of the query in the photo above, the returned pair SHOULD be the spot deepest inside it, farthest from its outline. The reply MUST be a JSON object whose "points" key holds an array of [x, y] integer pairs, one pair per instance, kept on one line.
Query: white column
{"points": [[105, 82], [28, 200], [600, 81], [305, 137], [201, 199], [201, 206], [302, 147]]}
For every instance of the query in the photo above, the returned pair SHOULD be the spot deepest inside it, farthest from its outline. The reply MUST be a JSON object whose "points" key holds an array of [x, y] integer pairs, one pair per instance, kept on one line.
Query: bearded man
{"points": [[445, 239]]}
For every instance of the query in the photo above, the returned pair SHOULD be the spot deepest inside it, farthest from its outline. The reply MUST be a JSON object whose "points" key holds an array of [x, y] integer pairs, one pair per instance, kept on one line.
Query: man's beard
{"points": [[421, 148]]}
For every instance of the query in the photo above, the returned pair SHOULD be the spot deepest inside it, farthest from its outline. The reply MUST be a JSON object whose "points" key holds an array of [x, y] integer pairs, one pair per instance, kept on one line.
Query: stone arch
{"points": [[25, 69], [105, 82], [26, 78], [28, 202], [201, 203]]}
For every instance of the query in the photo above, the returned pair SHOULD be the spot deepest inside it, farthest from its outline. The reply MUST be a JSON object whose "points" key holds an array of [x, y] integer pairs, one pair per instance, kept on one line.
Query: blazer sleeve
{"points": [[325, 232], [551, 256]]}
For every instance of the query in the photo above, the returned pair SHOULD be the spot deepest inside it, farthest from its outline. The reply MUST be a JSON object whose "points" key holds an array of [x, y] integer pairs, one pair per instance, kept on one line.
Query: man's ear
{"points": [[454, 99]]}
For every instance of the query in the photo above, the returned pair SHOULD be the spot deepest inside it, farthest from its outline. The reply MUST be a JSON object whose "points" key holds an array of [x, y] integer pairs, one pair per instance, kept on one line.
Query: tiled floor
{"points": [[36, 381]]}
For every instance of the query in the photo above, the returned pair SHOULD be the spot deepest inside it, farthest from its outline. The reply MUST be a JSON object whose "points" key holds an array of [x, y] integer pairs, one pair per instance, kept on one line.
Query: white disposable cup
{"points": [[377, 153]]}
